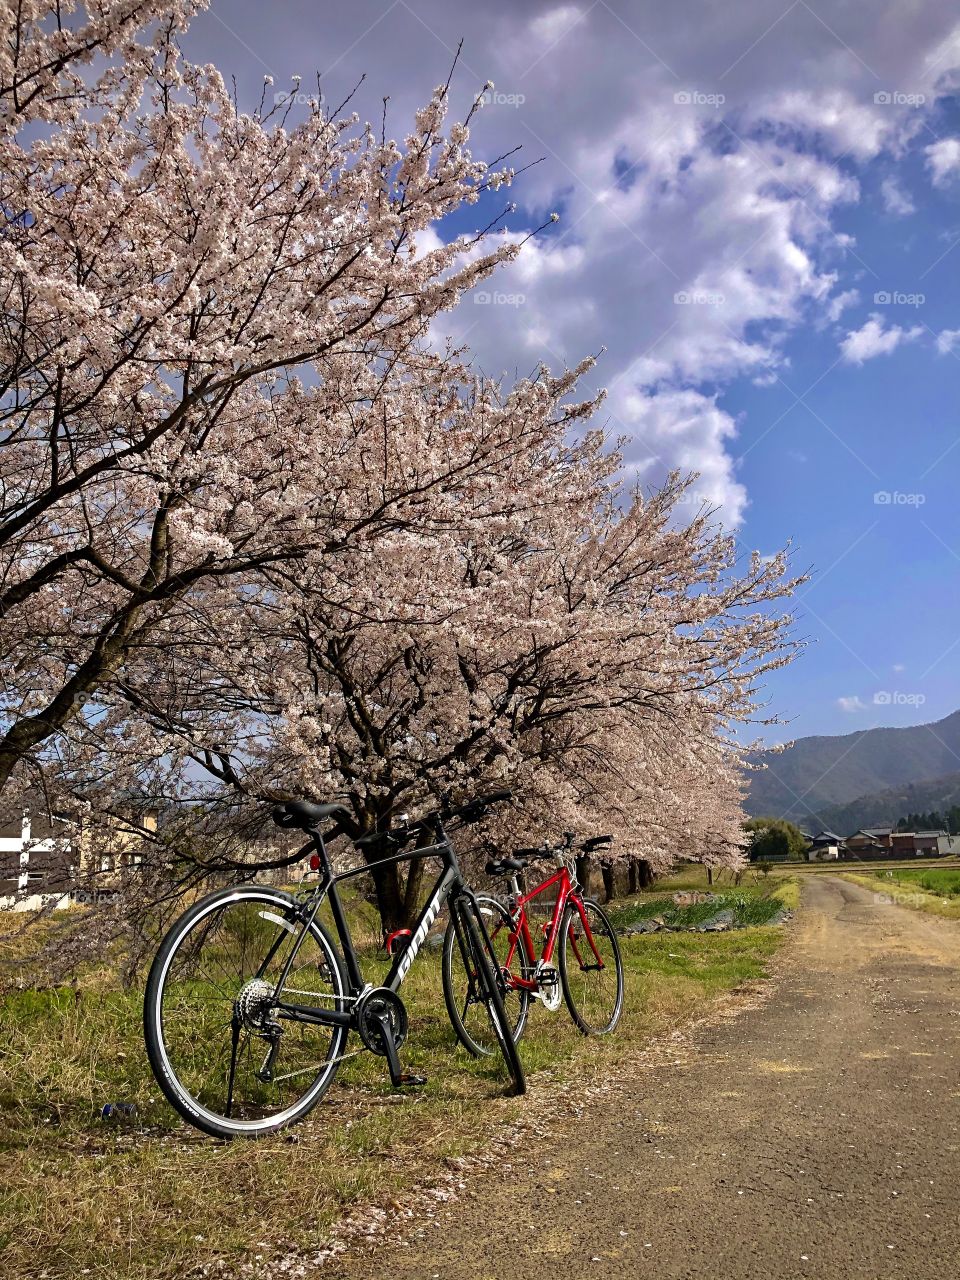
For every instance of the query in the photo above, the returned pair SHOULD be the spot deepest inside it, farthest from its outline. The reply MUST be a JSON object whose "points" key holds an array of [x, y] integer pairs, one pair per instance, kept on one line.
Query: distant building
{"points": [[45, 856], [36, 859], [874, 844], [825, 846], [882, 835]]}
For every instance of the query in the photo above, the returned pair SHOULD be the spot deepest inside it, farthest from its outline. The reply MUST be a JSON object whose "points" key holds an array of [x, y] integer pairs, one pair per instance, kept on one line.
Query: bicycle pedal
{"points": [[410, 1081]]}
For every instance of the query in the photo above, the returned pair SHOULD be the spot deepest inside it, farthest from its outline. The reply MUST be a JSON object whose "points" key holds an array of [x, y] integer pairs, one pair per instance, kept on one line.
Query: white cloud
{"points": [[875, 340], [684, 429], [846, 120], [851, 704], [898, 667], [839, 303], [895, 199], [948, 340], [735, 200], [551, 26], [943, 160]]}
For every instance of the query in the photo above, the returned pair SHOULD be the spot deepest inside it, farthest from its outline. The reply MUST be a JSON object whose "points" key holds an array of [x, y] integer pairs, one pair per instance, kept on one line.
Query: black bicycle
{"points": [[249, 1002]]}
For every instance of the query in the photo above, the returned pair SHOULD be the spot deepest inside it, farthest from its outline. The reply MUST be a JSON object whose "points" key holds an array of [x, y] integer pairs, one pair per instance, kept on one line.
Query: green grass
{"points": [[935, 890], [755, 901], [150, 1197], [942, 881]]}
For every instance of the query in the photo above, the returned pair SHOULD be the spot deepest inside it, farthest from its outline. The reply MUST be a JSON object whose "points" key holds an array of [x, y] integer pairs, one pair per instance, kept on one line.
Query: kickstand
{"points": [[398, 1076]]}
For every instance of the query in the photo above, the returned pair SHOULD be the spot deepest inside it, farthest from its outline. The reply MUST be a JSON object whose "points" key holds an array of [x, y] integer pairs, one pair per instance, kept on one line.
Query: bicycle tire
{"points": [[282, 913], [567, 940], [517, 1002], [475, 931]]}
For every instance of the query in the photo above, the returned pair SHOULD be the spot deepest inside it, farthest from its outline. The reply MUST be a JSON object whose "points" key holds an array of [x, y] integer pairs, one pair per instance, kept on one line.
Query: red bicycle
{"points": [[588, 973]]}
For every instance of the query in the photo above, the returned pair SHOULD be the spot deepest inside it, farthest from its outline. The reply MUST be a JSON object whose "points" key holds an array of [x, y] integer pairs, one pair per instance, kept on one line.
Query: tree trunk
{"points": [[584, 872], [390, 898], [609, 881], [644, 873], [411, 894]]}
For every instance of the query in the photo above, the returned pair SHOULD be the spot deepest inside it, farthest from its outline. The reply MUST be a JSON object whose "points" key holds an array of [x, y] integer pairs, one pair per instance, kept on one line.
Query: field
{"points": [[935, 890], [941, 881], [145, 1196]]}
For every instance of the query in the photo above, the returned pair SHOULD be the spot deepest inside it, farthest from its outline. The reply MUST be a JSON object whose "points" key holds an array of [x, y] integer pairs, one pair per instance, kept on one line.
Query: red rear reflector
{"points": [[314, 862]]}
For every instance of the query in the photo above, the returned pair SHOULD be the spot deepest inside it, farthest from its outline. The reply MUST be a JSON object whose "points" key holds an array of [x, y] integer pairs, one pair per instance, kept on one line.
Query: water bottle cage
{"points": [[398, 940]]}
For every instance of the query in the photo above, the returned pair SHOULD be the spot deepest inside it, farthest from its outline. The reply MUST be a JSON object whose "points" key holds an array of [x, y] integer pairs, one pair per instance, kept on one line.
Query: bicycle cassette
{"points": [[548, 987], [371, 1007]]}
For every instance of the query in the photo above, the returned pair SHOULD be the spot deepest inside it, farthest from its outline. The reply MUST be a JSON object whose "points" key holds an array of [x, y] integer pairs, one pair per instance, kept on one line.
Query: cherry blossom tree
{"points": [[191, 295], [539, 627], [259, 538]]}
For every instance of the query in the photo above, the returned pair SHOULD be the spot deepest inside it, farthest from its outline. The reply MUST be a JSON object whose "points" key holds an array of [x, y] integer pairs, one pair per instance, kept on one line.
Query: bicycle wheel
{"points": [[591, 971], [475, 951], [461, 992], [225, 1055]]}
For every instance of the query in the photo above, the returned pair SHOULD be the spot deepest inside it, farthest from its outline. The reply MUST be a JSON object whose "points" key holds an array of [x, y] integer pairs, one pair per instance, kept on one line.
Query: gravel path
{"points": [[816, 1134]]}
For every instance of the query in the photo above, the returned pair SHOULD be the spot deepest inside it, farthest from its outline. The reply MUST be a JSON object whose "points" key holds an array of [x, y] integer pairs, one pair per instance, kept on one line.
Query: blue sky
{"points": [[759, 212], [882, 611]]}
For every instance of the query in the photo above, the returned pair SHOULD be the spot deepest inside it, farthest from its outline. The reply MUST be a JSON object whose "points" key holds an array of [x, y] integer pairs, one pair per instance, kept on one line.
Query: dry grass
{"points": [[151, 1198]]}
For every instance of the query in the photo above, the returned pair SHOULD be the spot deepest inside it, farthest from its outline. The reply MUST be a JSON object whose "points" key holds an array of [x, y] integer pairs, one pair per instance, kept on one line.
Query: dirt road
{"points": [[815, 1135]]}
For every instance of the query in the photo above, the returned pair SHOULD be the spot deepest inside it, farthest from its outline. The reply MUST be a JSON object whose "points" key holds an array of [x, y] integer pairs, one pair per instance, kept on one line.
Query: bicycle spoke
{"points": [[242, 1065]]}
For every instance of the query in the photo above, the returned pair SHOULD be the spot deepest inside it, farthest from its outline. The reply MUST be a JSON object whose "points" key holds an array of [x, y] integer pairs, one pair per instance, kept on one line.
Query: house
{"points": [[825, 846], [36, 859], [880, 843], [926, 844], [902, 844], [870, 842], [882, 835], [52, 860]]}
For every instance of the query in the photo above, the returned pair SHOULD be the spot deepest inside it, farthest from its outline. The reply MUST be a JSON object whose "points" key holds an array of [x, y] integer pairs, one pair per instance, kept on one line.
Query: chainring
{"points": [[370, 1006]]}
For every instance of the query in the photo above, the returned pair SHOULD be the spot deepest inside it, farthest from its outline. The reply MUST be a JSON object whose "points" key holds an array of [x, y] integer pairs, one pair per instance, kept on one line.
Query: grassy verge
{"points": [[148, 1197], [754, 901], [934, 890]]}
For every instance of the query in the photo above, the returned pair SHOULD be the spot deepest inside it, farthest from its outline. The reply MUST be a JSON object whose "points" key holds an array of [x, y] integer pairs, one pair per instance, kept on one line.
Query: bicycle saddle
{"points": [[306, 815], [504, 866]]}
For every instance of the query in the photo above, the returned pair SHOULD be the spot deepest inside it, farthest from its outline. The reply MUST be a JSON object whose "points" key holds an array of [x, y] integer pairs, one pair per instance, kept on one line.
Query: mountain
{"points": [[885, 808], [816, 776]]}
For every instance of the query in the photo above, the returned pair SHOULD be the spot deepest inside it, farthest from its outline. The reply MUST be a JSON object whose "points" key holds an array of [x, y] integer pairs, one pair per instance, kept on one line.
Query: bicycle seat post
{"points": [[319, 859]]}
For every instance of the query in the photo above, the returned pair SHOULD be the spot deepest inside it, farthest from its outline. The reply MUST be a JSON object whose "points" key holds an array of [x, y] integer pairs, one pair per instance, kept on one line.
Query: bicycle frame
{"points": [[449, 883], [566, 893]]}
